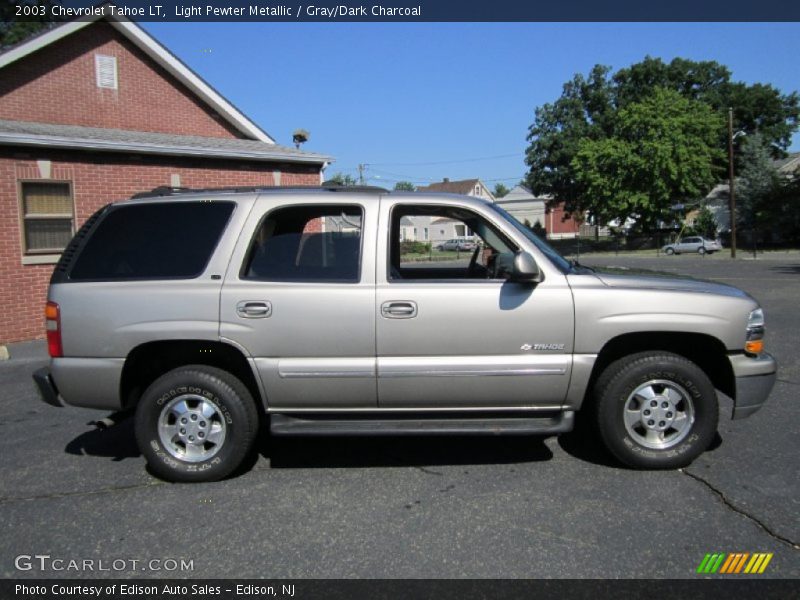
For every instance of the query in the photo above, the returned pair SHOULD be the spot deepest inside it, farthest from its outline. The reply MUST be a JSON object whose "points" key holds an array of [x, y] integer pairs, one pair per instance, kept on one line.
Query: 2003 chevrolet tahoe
{"points": [[212, 312]]}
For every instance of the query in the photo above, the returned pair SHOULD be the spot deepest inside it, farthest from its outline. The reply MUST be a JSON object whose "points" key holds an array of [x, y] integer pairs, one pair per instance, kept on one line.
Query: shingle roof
{"points": [[788, 164], [465, 186], [24, 133]]}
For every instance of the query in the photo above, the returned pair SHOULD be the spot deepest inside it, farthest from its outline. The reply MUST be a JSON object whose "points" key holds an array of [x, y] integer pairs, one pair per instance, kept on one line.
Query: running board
{"points": [[328, 424]]}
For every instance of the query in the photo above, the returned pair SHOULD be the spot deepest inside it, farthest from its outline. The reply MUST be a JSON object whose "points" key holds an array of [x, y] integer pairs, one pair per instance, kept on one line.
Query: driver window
{"points": [[460, 244]]}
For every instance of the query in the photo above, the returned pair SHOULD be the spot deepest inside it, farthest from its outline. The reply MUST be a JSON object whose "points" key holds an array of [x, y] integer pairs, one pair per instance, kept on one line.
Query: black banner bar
{"points": [[408, 10], [383, 589]]}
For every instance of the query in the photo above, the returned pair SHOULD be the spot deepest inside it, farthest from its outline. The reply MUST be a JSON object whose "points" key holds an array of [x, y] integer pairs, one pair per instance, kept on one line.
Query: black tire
{"points": [[201, 388], [701, 250], [693, 423], [669, 251]]}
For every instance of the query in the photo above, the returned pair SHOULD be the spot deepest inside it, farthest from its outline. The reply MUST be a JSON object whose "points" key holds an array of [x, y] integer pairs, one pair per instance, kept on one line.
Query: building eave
{"points": [[58, 142]]}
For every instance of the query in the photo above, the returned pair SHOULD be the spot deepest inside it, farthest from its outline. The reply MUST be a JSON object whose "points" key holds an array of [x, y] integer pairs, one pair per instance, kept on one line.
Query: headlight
{"points": [[755, 332]]}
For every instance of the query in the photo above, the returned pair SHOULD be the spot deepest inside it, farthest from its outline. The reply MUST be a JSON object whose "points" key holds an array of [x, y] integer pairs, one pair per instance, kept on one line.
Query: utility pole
{"points": [[361, 169], [731, 184]]}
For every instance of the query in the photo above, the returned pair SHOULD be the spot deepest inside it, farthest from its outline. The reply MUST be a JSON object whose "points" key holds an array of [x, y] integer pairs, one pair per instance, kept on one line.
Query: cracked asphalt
{"points": [[446, 507]]}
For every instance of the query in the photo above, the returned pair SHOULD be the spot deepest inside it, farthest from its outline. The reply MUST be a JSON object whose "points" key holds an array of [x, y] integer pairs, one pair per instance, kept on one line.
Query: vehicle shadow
{"points": [[585, 445], [400, 451], [116, 442], [786, 269]]}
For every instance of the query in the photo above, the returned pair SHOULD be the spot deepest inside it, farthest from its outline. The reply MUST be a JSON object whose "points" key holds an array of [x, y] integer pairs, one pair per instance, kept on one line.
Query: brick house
{"points": [[95, 110], [525, 206], [467, 187]]}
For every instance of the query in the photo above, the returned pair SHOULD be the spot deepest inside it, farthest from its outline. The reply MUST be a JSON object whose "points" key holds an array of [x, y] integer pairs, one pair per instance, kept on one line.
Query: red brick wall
{"points": [[96, 180], [558, 223], [57, 84]]}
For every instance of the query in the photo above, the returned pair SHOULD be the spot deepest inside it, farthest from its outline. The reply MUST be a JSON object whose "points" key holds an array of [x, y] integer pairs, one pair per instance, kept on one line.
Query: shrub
{"points": [[415, 247]]}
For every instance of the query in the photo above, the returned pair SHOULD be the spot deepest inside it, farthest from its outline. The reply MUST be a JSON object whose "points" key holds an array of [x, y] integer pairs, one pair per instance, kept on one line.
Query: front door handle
{"points": [[254, 309], [399, 309]]}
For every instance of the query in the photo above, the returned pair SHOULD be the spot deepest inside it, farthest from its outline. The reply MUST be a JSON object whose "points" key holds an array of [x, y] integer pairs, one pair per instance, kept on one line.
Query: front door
{"points": [[453, 332]]}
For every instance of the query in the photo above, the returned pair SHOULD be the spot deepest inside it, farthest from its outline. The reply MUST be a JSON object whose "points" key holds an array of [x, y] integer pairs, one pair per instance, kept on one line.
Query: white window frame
{"points": [[102, 61], [46, 255]]}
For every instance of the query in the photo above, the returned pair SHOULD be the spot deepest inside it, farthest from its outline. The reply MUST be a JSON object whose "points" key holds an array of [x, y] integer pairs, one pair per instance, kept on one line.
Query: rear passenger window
{"points": [[153, 241], [307, 243]]}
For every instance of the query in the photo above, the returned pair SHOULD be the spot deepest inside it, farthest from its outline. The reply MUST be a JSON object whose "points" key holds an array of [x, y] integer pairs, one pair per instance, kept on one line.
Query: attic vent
{"points": [[106, 70]]}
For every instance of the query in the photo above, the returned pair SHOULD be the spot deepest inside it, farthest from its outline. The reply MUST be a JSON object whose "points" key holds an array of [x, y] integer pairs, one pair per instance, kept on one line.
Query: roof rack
{"points": [[166, 191]]}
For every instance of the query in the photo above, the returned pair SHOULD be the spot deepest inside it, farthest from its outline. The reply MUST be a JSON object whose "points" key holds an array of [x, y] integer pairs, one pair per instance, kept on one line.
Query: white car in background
{"points": [[693, 244], [461, 244]]}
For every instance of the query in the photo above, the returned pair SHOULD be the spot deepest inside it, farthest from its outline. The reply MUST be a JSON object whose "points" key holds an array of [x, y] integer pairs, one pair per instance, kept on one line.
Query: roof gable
{"points": [[155, 51], [465, 186], [788, 165]]}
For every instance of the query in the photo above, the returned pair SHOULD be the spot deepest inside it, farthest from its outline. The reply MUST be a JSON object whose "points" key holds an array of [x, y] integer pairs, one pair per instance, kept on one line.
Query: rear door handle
{"points": [[254, 309], [399, 309]]}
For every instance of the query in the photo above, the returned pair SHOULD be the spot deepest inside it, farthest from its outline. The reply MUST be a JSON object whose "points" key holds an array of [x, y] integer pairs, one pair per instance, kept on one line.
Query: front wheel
{"points": [[655, 410], [196, 423], [669, 251]]}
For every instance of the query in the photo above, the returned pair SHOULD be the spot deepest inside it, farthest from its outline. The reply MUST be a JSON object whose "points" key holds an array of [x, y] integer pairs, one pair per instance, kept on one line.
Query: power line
{"points": [[427, 181], [444, 162]]}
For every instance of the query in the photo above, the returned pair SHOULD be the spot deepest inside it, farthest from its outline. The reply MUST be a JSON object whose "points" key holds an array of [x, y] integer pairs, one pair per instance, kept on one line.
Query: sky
{"points": [[421, 102]]}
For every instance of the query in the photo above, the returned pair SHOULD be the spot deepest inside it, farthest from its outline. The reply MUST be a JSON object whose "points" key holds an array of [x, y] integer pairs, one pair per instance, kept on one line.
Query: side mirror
{"points": [[525, 269]]}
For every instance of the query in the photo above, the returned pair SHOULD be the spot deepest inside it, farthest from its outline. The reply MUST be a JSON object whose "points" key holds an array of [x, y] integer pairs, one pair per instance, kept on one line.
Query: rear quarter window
{"points": [[153, 241]]}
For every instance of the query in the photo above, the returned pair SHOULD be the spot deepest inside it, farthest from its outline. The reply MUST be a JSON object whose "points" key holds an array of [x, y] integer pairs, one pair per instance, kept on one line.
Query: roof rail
{"points": [[166, 191]]}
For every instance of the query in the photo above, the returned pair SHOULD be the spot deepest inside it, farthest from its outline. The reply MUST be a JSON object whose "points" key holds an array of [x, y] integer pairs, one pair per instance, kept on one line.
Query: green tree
{"points": [[14, 30], [782, 211], [705, 224], [757, 181], [589, 105], [661, 152], [405, 186], [342, 179], [500, 190], [756, 108], [583, 112]]}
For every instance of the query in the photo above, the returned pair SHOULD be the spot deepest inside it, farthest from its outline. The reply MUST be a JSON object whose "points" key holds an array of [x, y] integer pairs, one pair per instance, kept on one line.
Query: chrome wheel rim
{"points": [[659, 414], [191, 428]]}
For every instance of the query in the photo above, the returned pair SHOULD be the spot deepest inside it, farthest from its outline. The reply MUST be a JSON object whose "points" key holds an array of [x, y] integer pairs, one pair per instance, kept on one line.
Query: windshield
{"points": [[559, 261]]}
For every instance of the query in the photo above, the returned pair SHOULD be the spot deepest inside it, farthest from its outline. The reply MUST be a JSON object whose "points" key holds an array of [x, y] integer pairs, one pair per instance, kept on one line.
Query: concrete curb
{"points": [[35, 350]]}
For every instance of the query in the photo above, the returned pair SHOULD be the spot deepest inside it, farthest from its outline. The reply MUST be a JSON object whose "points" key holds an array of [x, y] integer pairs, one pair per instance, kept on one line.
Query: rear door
{"points": [[299, 296]]}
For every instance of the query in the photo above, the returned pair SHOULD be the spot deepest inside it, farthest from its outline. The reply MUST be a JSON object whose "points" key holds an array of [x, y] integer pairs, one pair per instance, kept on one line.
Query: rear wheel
{"points": [[196, 423], [701, 250], [669, 251], [655, 410]]}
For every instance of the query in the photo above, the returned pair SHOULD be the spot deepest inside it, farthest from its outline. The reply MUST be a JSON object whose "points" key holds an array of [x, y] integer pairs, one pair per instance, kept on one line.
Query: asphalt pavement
{"points": [[449, 507]]}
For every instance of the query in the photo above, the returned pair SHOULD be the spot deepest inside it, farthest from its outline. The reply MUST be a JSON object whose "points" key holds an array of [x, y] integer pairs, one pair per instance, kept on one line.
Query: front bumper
{"points": [[754, 377], [47, 388]]}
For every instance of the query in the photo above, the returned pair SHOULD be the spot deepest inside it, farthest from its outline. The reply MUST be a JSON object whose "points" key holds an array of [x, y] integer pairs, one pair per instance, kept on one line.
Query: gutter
{"points": [[47, 141]]}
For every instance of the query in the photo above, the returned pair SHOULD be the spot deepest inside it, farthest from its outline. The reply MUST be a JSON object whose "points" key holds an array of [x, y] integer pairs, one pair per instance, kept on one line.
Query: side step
{"points": [[457, 424]]}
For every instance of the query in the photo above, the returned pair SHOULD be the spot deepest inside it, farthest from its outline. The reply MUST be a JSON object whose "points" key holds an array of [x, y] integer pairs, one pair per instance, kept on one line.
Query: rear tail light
{"points": [[52, 315]]}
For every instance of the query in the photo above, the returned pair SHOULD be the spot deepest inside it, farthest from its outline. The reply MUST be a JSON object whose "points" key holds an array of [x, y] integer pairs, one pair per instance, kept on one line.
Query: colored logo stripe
{"points": [[734, 563], [758, 563], [711, 563]]}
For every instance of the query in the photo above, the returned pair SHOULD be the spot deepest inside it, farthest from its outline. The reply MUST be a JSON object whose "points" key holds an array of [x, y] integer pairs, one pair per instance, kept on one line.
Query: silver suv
{"points": [[211, 313]]}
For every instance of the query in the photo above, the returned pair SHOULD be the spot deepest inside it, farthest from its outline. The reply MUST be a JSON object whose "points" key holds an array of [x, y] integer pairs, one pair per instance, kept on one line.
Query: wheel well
{"points": [[705, 351], [148, 362]]}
